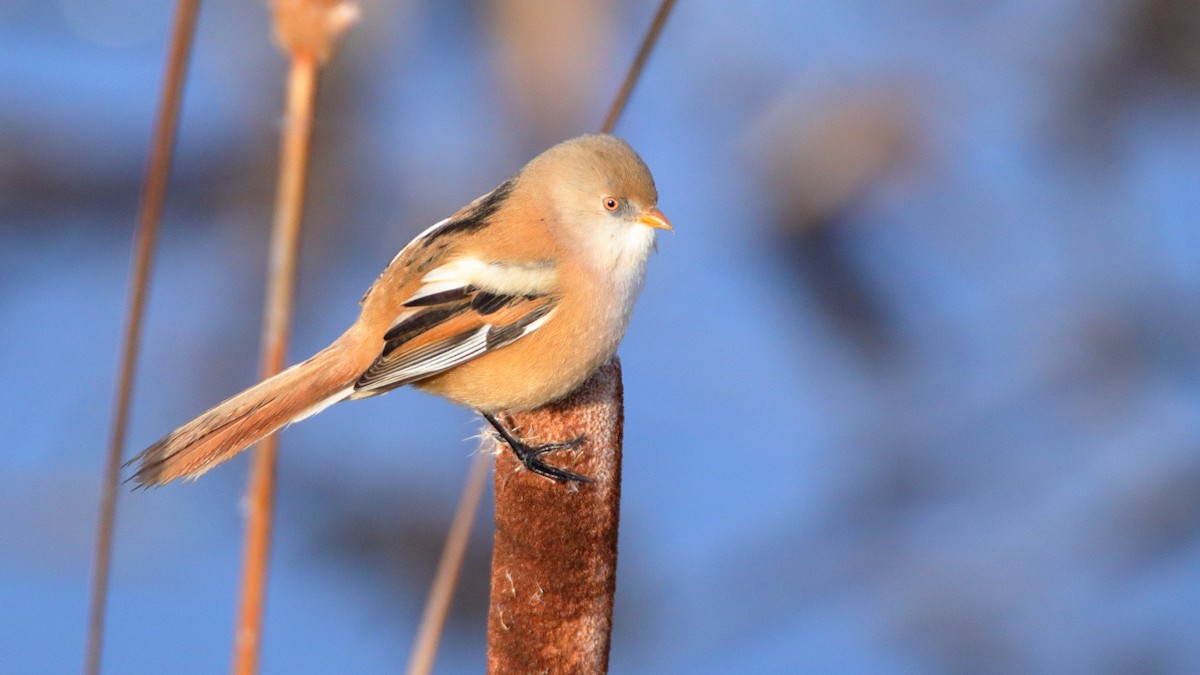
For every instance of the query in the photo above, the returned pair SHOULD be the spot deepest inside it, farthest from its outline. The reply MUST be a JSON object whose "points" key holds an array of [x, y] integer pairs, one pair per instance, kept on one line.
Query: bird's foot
{"points": [[531, 455]]}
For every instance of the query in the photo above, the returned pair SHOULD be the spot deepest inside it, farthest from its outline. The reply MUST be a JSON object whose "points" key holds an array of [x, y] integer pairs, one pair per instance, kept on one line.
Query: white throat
{"points": [[619, 254]]}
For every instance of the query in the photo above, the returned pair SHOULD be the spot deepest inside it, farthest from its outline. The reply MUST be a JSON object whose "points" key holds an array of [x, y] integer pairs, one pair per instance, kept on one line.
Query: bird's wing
{"points": [[461, 310]]}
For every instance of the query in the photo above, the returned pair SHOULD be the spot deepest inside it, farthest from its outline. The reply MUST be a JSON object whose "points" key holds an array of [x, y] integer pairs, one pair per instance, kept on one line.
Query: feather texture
{"points": [[469, 324], [230, 427]]}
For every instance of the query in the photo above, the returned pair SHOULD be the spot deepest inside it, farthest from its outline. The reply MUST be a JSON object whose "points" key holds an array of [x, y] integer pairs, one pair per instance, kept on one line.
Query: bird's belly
{"points": [[541, 367]]}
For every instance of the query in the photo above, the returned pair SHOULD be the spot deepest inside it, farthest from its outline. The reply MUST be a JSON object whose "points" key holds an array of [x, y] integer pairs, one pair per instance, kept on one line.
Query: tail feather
{"points": [[232, 426]]}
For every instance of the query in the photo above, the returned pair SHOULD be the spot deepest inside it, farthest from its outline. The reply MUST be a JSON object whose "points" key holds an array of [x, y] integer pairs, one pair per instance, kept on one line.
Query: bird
{"points": [[509, 304]]}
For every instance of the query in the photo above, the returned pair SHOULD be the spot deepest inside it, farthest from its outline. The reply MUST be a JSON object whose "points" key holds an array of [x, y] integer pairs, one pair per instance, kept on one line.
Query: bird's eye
{"points": [[611, 203]]}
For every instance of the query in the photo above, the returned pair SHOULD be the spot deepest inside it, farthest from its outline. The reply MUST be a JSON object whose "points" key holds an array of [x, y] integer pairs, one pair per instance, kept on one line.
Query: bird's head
{"points": [[602, 194]]}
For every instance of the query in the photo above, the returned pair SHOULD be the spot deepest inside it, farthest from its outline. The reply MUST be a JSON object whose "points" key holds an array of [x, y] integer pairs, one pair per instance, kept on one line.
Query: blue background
{"points": [[913, 387]]}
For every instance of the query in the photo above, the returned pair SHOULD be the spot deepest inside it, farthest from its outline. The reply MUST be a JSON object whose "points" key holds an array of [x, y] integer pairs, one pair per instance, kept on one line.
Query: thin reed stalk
{"points": [[308, 30], [154, 191], [433, 620], [635, 69]]}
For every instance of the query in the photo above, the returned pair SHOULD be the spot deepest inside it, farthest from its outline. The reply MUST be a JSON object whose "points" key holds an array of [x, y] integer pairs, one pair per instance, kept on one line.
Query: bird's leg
{"points": [[530, 455]]}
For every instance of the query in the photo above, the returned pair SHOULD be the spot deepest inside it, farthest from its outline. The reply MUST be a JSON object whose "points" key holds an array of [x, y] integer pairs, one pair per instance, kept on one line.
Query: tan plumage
{"points": [[509, 304]]}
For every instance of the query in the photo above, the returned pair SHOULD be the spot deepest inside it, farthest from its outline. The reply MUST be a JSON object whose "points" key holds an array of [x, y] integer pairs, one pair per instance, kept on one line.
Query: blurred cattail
{"points": [[818, 158], [551, 57]]}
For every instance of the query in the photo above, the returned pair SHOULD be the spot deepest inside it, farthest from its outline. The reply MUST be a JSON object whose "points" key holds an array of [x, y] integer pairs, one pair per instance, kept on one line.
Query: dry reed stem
{"points": [[285, 242], [446, 578], [639, 63], [154, 191], [309, 31]]}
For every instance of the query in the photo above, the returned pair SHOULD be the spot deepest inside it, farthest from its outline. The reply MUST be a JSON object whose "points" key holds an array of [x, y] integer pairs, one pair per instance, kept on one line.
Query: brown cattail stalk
{"points": [[308, 30], [154, 191], [555, 558]]}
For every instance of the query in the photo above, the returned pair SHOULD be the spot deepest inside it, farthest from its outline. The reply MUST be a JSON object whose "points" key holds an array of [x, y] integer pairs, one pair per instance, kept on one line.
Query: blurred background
{"points": [[913, 388]]}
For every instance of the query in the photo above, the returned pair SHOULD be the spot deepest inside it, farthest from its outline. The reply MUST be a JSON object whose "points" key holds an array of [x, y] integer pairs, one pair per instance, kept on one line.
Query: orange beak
{"points": [[655, 218]]}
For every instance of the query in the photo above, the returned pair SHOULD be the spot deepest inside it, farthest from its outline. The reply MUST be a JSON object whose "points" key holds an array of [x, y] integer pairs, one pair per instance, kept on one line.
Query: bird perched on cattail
{"points": [[508, 304]]}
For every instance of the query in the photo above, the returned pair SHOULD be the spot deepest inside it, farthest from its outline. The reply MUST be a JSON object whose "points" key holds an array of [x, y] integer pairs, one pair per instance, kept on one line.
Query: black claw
{"points": [[539, 450], [530, 455]]}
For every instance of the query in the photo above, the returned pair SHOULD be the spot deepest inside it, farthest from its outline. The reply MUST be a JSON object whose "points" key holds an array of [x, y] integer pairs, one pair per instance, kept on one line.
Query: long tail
{"points": [[227, 429]]}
